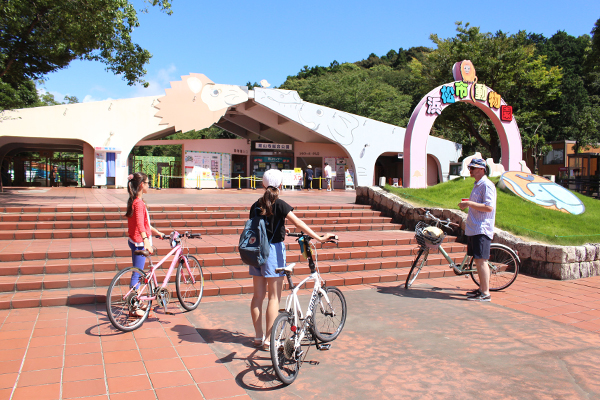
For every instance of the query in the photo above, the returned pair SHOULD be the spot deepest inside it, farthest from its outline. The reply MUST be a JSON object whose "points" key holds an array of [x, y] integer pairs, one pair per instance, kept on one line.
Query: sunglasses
{"points": [[472, 168]]}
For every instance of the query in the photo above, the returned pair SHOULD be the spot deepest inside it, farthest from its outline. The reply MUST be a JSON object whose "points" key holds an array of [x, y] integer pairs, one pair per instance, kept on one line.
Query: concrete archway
{"points": [[432, 105]]}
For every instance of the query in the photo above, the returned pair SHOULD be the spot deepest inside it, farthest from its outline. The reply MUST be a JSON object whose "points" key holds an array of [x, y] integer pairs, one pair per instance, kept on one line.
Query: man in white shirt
{"points": [[327, 173], [479, 227]]}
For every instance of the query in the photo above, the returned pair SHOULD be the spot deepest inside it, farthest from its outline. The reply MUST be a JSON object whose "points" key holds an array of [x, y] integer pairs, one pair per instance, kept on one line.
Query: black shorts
{"points": [[478, 246]]}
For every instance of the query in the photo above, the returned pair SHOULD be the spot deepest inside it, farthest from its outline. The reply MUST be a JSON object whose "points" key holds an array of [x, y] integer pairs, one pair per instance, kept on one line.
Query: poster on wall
{"points": [[100, 163], [226, 166], [340, 168], [204, 168]]}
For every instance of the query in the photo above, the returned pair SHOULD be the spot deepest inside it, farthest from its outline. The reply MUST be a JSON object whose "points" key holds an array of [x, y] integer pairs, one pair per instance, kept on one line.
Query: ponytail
{"points": [[133, 188], [268, 200]]}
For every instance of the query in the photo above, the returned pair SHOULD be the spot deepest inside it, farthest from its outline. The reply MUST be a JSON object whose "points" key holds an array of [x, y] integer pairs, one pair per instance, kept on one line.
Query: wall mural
{"points": [[464, 89]]}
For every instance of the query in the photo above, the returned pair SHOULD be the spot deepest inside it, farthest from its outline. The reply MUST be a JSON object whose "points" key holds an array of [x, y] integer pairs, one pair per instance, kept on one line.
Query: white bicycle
{"points": [[323, 321]]}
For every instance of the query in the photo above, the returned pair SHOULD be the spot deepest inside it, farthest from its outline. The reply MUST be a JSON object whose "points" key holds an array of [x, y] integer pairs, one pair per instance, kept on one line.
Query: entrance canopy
{"points": [[195, 102]]}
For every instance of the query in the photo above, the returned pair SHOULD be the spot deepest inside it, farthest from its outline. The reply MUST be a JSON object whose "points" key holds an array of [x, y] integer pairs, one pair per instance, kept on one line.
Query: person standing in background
{"points": [[327, 173], [54, 177], [309, 176]]}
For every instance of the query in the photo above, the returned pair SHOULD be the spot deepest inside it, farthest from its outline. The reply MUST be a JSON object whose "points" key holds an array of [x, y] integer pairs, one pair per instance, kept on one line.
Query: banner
{"points": [[349, 177], [291, 177]]}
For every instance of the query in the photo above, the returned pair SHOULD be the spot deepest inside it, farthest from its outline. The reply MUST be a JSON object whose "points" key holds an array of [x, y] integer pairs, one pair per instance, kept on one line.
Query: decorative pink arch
{"points": [[425, 114]]}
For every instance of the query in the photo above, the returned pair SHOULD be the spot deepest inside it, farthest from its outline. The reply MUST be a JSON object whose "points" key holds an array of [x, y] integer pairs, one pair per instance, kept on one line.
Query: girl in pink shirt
{"points": [[138, 224]]}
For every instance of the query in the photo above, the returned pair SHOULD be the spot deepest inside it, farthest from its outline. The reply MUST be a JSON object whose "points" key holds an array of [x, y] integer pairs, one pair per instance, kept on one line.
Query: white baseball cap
{"points": [[272, 177]]}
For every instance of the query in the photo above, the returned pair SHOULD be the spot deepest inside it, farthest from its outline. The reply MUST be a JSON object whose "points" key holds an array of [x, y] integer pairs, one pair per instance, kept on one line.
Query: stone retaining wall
{"points": [[547, 261]]}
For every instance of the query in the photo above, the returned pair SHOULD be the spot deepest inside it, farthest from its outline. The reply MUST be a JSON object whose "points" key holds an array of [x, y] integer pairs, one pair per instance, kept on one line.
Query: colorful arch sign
{"points": [[464, 89]]}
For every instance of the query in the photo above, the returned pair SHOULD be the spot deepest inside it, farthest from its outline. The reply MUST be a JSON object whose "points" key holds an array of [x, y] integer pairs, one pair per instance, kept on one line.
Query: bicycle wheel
{"points": [[286, 362], [329, 318], [188, 293], [123, 303], [504, 267], [415, 269]]}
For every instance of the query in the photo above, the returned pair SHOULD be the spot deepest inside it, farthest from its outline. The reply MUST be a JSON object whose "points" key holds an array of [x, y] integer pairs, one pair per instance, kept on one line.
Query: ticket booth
{"points": [[107, 165]]}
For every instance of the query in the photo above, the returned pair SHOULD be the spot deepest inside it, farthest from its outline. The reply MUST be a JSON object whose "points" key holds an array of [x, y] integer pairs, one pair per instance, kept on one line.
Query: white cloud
{"points": [[88, 98], [158, 82]]}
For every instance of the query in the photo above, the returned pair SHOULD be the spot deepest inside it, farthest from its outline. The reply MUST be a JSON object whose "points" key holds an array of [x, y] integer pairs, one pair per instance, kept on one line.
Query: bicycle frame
{"points": [[177, 251], [292, 303], [464, 265]]}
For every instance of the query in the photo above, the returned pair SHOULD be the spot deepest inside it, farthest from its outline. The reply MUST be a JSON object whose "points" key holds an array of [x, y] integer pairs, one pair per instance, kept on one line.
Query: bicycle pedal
{"points": [[324, 346]]}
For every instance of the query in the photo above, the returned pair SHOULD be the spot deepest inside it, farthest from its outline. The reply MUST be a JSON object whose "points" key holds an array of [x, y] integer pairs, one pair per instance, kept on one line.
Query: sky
{"points": [[234, 42]]}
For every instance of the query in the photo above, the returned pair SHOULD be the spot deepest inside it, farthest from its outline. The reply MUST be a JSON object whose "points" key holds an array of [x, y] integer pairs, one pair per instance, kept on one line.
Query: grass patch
{"points": [[516, 215]]}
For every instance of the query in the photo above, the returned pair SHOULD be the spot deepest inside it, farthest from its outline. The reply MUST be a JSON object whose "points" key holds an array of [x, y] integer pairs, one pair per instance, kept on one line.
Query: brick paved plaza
{"points": [[538, 339]]}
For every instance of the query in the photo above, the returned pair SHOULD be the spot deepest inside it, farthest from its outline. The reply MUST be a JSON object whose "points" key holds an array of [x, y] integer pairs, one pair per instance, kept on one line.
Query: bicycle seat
{"points": [[288, 270], [144, 253]]}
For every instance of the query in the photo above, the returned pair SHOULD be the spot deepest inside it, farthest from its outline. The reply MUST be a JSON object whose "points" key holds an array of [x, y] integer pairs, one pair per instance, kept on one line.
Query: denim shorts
{"points": [[276, 260], [478, 246]]}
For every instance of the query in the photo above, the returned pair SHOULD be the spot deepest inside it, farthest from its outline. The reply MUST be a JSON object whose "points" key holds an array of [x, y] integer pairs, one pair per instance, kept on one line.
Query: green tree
{"points": [[174, 150], [47, 99], [569, 53], [537, 144], [507, 64], [18, 95], [350, 88], [592, 62], [41, 36], [586, 127]]}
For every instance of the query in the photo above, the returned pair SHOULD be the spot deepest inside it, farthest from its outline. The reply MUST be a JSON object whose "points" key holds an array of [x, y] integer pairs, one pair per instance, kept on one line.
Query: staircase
{"points": [[67, 255]]}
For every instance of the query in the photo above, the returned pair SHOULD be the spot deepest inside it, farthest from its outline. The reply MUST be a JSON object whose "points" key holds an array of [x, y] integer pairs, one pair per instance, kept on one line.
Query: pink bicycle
{"points": [[128, 301]]}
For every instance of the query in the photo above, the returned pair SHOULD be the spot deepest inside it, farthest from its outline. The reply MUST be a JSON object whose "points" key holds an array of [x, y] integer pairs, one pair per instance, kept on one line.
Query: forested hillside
{"points": [[552, 83]]}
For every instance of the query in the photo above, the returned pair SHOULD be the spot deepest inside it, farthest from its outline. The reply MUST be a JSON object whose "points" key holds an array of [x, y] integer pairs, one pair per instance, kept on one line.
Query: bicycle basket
{"points": [[429, 236]]}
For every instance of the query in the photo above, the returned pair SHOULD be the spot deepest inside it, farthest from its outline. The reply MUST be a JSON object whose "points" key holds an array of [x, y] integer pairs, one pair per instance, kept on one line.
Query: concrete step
{"points": [[81, 213], [224, 287], [90, 229], [82, 208], [223, 253], [69, 255]]}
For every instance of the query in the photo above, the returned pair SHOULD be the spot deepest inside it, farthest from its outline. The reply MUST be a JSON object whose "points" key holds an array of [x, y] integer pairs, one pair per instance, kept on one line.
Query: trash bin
{"points": [[382, 181]]}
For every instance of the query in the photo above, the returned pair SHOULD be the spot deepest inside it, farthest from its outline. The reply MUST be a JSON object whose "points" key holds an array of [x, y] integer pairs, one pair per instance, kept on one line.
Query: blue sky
{"points": [[233, 42]]}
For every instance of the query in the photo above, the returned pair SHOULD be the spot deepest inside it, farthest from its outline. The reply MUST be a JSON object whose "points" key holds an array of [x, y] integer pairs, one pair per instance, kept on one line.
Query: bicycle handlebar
{"points": [[306, 237], [185, 234], [446, 223]]}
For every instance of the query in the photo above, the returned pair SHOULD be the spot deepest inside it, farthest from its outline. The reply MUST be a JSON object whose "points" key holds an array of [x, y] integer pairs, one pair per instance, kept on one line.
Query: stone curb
{"points": [[546, 261]]}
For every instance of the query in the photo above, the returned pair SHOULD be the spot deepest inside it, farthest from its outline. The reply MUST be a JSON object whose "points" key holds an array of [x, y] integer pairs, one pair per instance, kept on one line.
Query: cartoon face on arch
{"points": [[338, 125], [218, 97], [464, 71]]}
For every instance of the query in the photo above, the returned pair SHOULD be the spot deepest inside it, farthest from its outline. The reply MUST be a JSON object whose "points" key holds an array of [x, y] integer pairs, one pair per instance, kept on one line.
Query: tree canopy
{"points": [[41, 36], [552, 83], [348, 87]]}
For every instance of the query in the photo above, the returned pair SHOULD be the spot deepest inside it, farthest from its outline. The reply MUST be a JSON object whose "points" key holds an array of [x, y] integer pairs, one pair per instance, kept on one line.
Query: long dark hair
{"points": [[268, 200], [133, 188]]}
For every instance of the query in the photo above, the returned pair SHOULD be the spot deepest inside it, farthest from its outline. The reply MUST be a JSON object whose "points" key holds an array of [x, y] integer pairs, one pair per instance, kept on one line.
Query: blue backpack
{"points": [[254, 246]]}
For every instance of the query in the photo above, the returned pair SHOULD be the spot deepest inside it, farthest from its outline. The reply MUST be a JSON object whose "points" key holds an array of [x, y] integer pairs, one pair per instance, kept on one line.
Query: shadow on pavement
{"points": [[420, 292]]}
